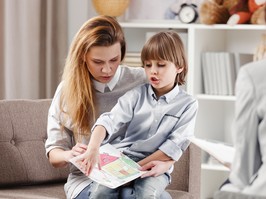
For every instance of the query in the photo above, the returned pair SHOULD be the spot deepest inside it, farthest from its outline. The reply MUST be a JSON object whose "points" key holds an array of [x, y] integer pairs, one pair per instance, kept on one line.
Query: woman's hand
{"points": [[156, 168], [78, 149], [60, 158]]}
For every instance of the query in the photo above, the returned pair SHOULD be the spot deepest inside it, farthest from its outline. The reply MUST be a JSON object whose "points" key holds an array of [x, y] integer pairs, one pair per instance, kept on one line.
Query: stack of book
{"points": [[220, 71], [132, 59]]}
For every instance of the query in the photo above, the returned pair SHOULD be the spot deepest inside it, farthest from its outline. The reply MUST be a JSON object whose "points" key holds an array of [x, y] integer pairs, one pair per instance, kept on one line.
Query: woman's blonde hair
{"points": [[168, 46], [78, 96]]}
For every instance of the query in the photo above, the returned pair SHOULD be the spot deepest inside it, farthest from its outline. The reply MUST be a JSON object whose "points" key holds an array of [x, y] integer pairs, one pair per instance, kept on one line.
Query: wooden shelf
{"points": [[173, 24]]}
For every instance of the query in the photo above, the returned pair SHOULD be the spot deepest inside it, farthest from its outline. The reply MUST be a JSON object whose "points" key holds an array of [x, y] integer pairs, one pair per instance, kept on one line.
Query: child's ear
{"points": [[179, 70]]}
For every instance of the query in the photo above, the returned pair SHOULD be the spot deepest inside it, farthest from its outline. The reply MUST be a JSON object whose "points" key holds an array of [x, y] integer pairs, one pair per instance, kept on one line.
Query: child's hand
{"points": [[91, 158]]}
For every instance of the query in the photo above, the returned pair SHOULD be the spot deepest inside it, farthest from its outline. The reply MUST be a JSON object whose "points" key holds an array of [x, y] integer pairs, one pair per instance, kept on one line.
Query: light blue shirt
{"points": [[165, 123]]}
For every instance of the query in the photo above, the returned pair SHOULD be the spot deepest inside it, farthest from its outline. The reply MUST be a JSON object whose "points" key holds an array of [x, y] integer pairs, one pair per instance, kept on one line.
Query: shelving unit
{"points": [[215, 116]]}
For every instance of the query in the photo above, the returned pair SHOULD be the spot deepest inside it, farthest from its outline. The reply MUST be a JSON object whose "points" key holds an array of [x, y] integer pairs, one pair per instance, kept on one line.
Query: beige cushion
{"points": [[51, 191], [22, 138]]}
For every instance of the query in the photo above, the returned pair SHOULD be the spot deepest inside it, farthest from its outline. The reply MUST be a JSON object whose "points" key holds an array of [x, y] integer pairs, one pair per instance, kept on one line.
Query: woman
{"points": [[247, 173], [92, 82]]}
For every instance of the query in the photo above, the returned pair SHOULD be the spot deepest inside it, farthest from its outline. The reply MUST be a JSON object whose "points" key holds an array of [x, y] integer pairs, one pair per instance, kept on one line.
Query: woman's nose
{"points": [[106, 68]]}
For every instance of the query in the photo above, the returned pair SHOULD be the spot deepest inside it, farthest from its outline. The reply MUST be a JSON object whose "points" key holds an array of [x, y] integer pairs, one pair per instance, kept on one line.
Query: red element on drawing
{"points": [[105, 158]]}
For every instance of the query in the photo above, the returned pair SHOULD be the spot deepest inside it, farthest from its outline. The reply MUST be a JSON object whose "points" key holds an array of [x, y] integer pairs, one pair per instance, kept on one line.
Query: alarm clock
{"points": [[188, 13]]}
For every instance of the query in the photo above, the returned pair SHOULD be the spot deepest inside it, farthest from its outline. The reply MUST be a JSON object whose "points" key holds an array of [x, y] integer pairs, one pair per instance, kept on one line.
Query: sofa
{"points": [[25, 172]]}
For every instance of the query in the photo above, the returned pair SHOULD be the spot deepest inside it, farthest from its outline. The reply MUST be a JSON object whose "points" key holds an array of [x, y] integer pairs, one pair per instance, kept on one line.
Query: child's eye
{"points": [[161, 65], [147, 65]]}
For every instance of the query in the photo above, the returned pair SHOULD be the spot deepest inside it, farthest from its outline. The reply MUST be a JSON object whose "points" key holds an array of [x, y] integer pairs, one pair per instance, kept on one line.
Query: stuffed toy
{"points": [[258, 16], [243, 11], [213, 12], [232, 12]]}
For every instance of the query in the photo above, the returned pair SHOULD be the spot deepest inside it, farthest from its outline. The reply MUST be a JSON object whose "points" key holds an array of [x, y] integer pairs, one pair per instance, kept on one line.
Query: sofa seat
{"points": [[180, 194], [43, 191]]}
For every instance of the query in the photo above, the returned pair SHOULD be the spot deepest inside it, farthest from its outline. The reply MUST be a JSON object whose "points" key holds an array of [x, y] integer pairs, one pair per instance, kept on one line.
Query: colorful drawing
{"points": [[116, 168]]}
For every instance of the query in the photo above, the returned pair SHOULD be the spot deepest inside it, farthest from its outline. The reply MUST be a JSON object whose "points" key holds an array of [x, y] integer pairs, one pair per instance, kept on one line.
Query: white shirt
{"points": [[101, 87]]}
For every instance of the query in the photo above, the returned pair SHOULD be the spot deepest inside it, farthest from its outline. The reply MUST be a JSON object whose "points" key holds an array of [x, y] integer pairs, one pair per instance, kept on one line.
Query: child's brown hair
{"points": [[168, 46]]}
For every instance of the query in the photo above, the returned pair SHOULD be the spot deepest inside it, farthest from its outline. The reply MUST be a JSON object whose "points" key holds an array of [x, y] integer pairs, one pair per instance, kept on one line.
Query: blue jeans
{"points": [[142, 188]]}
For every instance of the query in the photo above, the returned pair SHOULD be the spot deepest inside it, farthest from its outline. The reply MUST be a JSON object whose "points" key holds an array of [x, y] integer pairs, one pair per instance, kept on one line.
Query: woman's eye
{"points": [[98, 62], [114, 60]]}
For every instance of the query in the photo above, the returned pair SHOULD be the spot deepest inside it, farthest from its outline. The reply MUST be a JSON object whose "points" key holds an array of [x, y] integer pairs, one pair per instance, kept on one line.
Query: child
{"points": [[160, 116]]}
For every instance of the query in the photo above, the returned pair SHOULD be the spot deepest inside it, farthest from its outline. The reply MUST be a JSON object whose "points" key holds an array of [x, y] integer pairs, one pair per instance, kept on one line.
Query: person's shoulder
{"points": [[136, 71], [188, 97], [140, 89], [135, 75], [58, 90], [254, 66], [255, 70]]}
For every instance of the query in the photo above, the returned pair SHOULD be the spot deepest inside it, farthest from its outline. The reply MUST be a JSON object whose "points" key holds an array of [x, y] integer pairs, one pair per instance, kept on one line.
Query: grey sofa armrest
{"points": [[187, 173], [234, 195]]}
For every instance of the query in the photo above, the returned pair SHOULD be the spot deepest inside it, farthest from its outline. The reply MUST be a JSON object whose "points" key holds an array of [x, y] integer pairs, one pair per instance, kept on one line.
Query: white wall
{"points": [[79, 11]]}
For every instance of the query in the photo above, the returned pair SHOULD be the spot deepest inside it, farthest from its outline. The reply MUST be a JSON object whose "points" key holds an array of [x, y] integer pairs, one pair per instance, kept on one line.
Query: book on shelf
{"points": [[219, 71], [222, 152], [214, 70], [229, 64], [223, 75], [242, 59], [132, 59], [208, 73], [205, 75], [116, 168]]}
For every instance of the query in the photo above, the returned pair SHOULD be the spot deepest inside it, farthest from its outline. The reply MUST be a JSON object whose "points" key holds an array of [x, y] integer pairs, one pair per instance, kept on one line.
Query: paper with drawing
{"points": [[116, 168]]}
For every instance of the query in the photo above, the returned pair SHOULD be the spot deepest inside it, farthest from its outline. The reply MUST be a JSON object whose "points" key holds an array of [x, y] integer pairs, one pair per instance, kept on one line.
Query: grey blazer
{"points": [[248, 173]]}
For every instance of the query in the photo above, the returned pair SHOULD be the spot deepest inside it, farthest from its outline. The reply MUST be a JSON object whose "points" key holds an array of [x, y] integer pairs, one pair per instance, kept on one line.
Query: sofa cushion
{"points": [[45, 191], [181, 194], [22, 137]]}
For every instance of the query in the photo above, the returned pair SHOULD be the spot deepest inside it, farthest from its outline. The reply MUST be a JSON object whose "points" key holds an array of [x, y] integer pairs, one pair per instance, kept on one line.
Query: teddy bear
{"points": [[247, 11], [258, 16], [232, 12]]}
